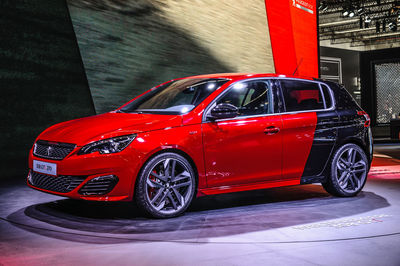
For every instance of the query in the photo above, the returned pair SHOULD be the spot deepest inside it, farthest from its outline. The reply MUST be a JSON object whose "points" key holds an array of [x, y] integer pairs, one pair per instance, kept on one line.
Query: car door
{"points": [[308, 129], [248, 148]]}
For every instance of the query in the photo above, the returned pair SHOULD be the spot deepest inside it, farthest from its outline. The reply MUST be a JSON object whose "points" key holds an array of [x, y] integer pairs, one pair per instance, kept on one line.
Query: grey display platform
{"points": [[299, 225]]}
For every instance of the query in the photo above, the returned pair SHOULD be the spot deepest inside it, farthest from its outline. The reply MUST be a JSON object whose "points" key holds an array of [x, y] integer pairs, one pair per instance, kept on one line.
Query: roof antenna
{"points": [[297, 67]]}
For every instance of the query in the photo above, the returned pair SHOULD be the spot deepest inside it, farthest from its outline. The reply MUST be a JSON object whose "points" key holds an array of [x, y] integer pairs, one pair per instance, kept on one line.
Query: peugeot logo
{"points": [[49, 149]]}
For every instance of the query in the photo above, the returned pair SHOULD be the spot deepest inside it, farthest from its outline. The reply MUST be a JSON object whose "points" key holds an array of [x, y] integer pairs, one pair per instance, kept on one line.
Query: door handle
{"points": [[271, 130]]}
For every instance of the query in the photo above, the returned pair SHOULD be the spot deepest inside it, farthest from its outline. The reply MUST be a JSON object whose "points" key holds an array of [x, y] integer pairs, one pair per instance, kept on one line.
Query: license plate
{"points": [[45, 168]]}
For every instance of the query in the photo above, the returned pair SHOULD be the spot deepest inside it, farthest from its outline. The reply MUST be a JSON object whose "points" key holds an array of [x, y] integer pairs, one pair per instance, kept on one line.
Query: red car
{"points": [[205, 135]]}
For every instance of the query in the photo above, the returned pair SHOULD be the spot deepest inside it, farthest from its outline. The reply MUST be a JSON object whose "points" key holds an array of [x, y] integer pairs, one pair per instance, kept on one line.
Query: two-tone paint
{"points": [[228, 155]]}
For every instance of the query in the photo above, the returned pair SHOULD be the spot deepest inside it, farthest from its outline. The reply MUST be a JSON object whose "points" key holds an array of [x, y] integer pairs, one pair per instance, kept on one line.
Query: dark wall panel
{"points": [[368, 86], [41, 76], [350, 67]]}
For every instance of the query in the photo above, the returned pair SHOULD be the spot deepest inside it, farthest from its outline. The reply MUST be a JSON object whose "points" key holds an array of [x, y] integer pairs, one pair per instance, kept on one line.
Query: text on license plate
{"points": [[45, 168]]}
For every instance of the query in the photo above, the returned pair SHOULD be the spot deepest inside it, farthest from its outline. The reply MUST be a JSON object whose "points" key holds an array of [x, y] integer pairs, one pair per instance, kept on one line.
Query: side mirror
{"points": [[223, 110]]}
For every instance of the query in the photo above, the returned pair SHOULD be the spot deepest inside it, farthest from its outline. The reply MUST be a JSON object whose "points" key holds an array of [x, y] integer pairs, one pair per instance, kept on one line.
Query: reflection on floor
{"points": [[300, 225]]}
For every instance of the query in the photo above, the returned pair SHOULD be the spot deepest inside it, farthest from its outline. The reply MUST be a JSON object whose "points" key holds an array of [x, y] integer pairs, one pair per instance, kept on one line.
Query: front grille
{"points": [[52, 150], [63, 184], [99, 185]]}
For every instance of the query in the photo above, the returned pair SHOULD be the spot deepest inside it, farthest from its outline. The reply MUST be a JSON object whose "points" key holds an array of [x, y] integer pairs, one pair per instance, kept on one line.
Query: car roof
{"points": [[239, 76]]}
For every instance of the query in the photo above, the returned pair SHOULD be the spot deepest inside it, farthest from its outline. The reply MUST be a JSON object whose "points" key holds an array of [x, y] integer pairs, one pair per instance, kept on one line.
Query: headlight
{"points": [[111, 145]]}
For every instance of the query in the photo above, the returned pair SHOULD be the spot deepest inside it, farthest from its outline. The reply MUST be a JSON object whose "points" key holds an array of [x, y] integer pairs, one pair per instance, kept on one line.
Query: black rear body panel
{"points": [[334, 129]]}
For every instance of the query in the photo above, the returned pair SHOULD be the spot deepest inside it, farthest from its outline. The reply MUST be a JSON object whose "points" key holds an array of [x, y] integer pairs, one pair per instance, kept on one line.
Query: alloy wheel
{"points": [[351, 170], [169, 185]]}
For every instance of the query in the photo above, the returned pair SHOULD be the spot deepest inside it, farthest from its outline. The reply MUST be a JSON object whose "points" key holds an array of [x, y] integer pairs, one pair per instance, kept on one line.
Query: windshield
{"points": [[175, 97]]}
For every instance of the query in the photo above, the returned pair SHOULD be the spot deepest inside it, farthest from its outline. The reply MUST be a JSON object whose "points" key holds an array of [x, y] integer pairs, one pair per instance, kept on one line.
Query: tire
{"points": [[347, 171], [166, 186]]}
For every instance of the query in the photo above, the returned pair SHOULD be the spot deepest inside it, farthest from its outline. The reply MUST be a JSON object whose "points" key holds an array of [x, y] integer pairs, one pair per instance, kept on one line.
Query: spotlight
{"points": [[392, 25], [350, 10], [323, 6], [365, 21]]}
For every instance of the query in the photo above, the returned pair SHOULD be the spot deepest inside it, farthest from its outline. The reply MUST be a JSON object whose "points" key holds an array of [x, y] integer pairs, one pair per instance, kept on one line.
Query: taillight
{"points": [[366, 116]]}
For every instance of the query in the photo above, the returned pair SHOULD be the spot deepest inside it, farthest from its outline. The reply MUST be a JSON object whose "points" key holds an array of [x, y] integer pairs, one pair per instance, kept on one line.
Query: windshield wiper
{"points": [[136, 112]]}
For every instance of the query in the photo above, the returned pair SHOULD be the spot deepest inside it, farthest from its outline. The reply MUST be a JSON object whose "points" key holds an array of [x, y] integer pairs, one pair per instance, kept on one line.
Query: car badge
{"points": [[49, 149]]}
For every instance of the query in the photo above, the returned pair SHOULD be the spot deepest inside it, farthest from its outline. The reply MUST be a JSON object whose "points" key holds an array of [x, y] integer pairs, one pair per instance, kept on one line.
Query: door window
{"points": [[301, 95], [327, 96], [251, 98]]}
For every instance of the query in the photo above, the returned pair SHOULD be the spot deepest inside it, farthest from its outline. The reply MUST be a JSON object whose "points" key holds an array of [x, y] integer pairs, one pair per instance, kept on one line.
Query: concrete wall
{"points": [[41, 74], [130, 46]]}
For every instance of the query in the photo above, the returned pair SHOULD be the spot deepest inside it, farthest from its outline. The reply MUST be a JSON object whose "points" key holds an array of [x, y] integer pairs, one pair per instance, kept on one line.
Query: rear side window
{"points": [[345, 101], [301, 95]]}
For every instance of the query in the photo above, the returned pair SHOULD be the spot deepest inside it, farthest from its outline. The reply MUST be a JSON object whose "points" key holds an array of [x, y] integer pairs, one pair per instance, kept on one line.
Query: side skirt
{"points": [[312, 179], [245, 187]]}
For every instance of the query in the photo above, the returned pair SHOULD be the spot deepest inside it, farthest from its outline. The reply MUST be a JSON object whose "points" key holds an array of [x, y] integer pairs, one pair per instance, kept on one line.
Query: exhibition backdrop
{"points": [[67, 59], [131, 46], [128, 46], [294, 36]]}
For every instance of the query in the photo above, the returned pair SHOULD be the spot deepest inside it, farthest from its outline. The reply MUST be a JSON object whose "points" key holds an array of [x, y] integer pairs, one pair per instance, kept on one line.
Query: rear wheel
{"points": [[348, 171], [166, 186]]}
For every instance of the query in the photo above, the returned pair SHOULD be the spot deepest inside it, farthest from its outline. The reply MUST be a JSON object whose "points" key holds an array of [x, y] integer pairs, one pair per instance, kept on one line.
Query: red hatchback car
{"points": [[206, 135]]}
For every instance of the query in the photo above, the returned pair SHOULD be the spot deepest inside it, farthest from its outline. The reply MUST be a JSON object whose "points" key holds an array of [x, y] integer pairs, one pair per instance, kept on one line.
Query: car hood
{"points": [[84, 130]]}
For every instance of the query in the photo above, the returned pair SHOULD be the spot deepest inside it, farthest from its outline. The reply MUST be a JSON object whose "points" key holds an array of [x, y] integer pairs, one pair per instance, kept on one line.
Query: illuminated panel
{"points": [[293, 33]]}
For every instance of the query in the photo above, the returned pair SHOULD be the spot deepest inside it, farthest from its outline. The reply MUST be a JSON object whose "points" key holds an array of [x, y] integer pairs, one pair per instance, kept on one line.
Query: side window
{"points": [[345, 100], [251, 98], [301, 95], [327, 96]]}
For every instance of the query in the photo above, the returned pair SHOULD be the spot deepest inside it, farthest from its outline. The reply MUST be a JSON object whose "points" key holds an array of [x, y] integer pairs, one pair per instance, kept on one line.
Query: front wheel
{"points": [[348, 171], [166, 186]]}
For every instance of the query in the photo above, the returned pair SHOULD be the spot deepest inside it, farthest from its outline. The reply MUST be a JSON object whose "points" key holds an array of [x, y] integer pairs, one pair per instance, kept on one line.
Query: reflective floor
{"points": [[299, 225]]}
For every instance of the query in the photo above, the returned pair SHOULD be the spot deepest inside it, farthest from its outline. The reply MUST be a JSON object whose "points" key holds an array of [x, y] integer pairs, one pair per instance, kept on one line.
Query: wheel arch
{"points": [[352, 140], [330, 183], [338, 145]]}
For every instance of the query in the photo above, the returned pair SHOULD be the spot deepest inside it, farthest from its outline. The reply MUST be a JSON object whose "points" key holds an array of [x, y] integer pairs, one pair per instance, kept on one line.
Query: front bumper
{"points": [[98, 177]]}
